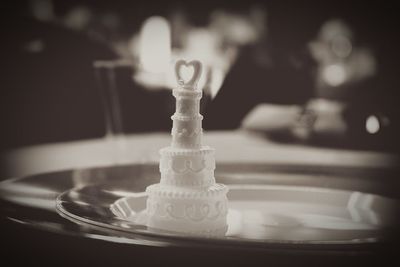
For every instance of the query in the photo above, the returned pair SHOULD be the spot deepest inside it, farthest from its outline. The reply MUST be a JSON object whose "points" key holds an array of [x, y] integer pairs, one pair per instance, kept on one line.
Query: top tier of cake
{"points": [[187, 121]]}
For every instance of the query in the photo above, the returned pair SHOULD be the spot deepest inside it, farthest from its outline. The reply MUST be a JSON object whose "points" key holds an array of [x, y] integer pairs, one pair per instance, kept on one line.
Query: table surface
{"points": [[29, 213], [231, 146]]}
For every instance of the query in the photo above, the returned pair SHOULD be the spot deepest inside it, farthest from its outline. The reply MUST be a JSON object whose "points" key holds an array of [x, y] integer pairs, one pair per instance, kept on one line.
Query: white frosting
{"points": [[187, 210], [187, 199], [187, 168]]}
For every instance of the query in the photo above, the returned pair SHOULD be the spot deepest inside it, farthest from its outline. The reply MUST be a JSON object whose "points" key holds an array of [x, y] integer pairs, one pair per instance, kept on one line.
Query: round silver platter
{"points": [[268, 205]]}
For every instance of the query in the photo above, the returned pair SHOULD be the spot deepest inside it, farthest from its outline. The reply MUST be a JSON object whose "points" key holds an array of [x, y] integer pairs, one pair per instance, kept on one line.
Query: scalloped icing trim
{"points": [[173, 151], [191, 212], [165, 191]]}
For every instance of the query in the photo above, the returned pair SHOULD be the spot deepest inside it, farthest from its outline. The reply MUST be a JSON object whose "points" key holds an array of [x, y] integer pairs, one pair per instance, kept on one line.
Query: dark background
{"points": [[52, 95]]}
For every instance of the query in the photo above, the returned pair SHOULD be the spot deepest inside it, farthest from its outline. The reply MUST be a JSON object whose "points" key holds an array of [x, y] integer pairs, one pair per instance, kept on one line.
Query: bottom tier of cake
{"points": [[188, 210]]}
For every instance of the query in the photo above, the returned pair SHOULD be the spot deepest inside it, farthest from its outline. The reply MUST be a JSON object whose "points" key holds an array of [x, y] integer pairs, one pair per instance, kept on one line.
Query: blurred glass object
{"points": [[105, 72], [105, 76]]}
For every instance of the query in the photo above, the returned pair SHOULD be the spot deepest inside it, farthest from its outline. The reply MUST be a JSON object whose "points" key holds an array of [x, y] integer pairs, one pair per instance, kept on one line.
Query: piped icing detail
{"points": [[187, 199]]}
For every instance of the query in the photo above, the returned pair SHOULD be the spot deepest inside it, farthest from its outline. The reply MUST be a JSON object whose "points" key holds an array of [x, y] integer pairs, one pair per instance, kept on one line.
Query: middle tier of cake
{"points": [[187, 167]]}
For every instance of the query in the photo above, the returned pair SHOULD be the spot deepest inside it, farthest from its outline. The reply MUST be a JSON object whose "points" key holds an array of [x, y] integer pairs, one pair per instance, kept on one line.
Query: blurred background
{"points": [[295, 93], [321, 73]]}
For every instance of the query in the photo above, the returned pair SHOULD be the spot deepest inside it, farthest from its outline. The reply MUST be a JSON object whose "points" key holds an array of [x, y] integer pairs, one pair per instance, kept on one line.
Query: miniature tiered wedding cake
{"points": [[187, 199]]}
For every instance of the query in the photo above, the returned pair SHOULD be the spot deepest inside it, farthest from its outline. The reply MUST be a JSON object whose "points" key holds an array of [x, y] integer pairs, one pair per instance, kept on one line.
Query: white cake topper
{"points": [[192, 82], [187, 199]]}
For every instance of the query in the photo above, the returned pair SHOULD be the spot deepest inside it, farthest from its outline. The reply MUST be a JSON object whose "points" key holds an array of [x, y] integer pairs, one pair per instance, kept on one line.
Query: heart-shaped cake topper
{"points": [[192, 82]]}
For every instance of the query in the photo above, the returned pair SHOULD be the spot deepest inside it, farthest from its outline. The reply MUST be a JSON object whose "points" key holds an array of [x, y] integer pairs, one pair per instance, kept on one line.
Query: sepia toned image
{"points": [[199, 133]]}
